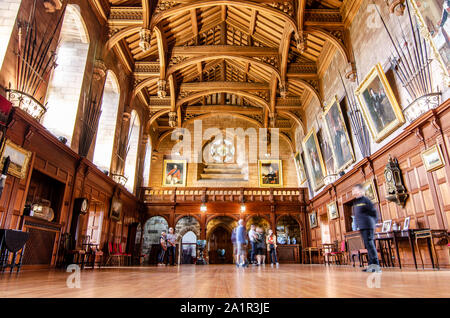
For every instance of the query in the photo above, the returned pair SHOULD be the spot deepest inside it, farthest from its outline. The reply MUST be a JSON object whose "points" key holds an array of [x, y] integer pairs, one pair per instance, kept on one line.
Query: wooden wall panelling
{"points": [[429, 201]]}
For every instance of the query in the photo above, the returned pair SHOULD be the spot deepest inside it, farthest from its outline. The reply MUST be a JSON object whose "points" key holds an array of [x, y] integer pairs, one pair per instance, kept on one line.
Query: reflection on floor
{"points": [[287, 281]]}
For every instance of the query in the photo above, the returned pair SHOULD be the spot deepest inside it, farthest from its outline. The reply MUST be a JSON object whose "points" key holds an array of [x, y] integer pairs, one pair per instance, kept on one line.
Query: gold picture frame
{"points": [[430, 31], [313, 156], [270, 173], [312, 217], [336, 128], [432, 158], [371, 190], [301, 174], [19, 157], [383, 115], [174, 173], [332, 209], [115, 211]]}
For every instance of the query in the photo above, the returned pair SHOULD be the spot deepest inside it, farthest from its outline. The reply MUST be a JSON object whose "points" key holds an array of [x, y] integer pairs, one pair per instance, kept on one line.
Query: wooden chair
{"points": [[126, 256], [363, 254], [327, 250], [113, 255], [339, 256]]}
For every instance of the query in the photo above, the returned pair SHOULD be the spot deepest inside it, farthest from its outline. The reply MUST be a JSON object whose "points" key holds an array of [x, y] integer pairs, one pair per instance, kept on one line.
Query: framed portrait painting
{"points": [[432, 158], [174, 173], [337, 132], [301, 174], [313, 219], [434, 21], [270, 173], [332, 210], [371, 190], [406, 223], [314, 160], [19, 159], [381, 111], [116, 208], [386, 226]]}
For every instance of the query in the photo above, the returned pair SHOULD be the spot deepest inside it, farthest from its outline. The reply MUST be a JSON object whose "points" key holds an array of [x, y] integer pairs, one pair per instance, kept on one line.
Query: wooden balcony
{"points": [[186, 195]]}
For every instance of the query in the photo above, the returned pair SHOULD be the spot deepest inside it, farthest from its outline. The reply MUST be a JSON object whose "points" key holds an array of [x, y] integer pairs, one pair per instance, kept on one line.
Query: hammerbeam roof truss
{"points": [[261, 58]]}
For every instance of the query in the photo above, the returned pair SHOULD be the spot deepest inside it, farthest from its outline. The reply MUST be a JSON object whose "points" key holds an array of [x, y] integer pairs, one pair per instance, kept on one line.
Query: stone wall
{"points": [[286, 152]]}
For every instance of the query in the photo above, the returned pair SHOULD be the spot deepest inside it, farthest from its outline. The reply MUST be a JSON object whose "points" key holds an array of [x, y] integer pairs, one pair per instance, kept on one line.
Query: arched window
{"points": [[63, 94], [9, 11], [107, 124], [133, 144], [147, 162]]}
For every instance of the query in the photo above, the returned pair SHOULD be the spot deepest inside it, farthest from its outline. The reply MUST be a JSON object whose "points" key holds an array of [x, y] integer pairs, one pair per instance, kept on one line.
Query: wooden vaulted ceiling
{"points": [[261, 59]]}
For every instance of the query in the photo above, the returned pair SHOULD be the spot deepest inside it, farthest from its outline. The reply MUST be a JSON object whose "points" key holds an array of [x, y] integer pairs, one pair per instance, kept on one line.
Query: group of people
{"points": [[167, 243], [259, 243]]}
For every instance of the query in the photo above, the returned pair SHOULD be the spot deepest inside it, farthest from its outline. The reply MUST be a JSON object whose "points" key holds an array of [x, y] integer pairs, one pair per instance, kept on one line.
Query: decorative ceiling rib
{"points": [[260, 58]]}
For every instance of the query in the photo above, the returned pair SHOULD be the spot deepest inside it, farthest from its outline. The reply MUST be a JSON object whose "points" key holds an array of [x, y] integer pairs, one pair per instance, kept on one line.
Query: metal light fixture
{"points": [[119, 178], [27, 103], [203, 208], [243, 208]]}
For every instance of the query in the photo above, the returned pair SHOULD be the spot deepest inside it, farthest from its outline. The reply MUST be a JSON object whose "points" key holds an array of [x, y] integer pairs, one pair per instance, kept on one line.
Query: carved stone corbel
{"points": [[300, 40], [145, 36], [52, 5], [397, 7], [172, 119], [350, 72], [162, 90], [283, 89], [99, 70]]}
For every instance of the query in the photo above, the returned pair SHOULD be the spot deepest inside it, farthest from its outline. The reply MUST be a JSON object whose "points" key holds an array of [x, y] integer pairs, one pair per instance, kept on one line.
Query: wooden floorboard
{"points": [[224, 281]]}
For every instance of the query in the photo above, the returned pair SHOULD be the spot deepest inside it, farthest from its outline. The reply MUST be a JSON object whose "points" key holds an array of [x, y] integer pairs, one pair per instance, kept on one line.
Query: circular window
{"points": [[222, 151]]}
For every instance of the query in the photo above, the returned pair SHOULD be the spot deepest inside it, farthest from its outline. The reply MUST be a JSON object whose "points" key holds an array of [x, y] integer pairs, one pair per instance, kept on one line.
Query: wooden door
{"points": [[220, 239]]}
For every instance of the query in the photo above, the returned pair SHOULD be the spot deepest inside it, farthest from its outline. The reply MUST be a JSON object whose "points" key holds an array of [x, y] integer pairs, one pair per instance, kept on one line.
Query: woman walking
{"points": [[260, 246], [271, 242]]}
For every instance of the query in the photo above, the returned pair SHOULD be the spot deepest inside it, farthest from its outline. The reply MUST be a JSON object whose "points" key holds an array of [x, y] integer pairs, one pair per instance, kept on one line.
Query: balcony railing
{"points": [[232, 195]]}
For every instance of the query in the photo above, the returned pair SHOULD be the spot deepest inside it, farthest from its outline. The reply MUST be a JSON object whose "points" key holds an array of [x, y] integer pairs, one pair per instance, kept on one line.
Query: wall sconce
{"points": [[243, 208], [203, 208]]}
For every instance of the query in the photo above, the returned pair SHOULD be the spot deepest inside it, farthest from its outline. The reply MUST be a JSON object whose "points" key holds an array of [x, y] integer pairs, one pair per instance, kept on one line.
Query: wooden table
{"points": [[396, 236], [309, 250]]}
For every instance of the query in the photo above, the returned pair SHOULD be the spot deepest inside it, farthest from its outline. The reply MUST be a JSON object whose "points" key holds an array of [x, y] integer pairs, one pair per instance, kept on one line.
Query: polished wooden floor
{"points": [[224, 281]]}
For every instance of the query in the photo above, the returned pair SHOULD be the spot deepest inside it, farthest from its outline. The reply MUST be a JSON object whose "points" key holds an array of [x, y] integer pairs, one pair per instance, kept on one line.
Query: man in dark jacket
{"points": [[366, 218]]}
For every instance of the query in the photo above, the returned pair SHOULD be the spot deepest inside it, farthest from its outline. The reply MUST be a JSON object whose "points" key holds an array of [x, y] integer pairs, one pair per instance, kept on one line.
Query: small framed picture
{"points": [[174, 173], [116, 208], [386, 226], [19, 157], [432, 158], [313, 219], [406, 223], [371, 190], [332, 210], [270, 173]]}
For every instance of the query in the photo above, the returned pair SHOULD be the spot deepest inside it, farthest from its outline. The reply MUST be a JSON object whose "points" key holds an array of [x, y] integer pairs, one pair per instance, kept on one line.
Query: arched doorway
{"points": [[187, 230], [288, 230], [218, 237], [220, 246], [188, 248], [152, 232]]}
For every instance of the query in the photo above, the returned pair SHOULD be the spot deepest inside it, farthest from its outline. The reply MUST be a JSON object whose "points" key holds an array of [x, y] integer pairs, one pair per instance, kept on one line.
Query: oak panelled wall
{"points": [[79, 177], [428, 203]]}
